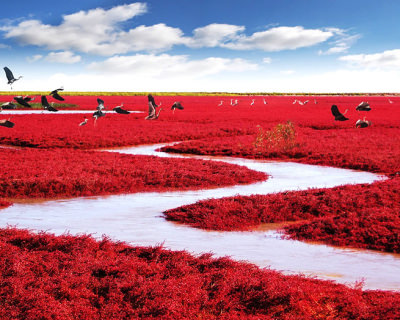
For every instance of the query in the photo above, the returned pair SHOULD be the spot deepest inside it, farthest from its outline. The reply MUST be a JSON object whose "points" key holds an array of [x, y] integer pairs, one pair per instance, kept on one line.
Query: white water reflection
{"points": [[36, 111], [137, 219]]}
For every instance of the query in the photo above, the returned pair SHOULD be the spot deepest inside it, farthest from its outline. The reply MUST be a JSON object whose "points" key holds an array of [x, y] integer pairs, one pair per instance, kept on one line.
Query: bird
{"points": [[363, 106], [22, 101], [295, 101], [155, 115], [47, 106], [265, 101], [9, 105], [28, 99], [336, 113], [252, 102], [363, 123], [118, 109], [221, 103], [55, 94], [7, 123], [315, 101], [100, 105], [235, 103], [84, 122], [10, 77], [305, 102], [176, 105], [390, 101]]}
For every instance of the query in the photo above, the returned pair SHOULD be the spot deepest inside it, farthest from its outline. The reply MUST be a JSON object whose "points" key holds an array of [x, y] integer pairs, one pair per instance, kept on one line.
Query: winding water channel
{"points": [[137, 219]]}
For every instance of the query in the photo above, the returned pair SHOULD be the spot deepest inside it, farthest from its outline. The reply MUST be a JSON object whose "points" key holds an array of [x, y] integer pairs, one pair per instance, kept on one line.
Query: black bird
{"points": [[176, 105], [22, 101], [336, 113], [363, 106], [55, 94], [6, 123], [9, 105], [100, 105], [10, 77], [118, 109], [99, 113], [47, 106]]}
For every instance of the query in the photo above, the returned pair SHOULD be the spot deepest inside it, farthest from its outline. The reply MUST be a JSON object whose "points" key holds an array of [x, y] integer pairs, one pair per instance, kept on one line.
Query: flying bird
{"points": [[363, 123], [10, 77], [118, 109], [154, 116], [336, 113], [176, 105], [363, 106], [47, 106], [55, 94], [6, 123], [22, 101]]}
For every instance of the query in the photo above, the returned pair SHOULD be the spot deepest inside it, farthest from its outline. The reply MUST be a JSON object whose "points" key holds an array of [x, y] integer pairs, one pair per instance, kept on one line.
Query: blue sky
{"points": [[182, 45]]}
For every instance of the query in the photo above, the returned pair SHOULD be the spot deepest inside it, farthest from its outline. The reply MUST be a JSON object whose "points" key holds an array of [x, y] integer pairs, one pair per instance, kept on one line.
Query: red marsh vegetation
{"points": [[50, 173], [47, 277]]}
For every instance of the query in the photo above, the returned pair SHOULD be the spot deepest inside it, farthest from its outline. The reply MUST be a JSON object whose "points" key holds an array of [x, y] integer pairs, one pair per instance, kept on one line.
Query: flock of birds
{"points": [[360, 123], [100, 110], [24, 101]]}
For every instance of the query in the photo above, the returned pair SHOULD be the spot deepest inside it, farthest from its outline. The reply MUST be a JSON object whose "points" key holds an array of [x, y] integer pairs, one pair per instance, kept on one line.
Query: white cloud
{"points": [[94, 31], [4, 46], [34, 58], [214, 35], [280, 38], [66, 57], [267, 60], [342, 41], [98, 31], [386, 59], [169, 66]]}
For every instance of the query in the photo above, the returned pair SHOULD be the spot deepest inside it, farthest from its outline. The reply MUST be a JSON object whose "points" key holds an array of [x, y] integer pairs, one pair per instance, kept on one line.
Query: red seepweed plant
{"points": [[47, 277]]}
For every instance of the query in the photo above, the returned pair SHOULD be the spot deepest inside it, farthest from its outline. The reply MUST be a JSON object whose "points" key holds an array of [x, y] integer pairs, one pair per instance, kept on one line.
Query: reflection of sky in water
{"points": [[37, 111], [137, 219]]}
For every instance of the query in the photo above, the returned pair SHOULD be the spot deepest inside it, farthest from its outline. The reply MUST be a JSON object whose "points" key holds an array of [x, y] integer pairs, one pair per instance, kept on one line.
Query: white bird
{"points": [[220, 104], [252, 102], [295, 101], [390, 101], [265, 101], [84, 122]]}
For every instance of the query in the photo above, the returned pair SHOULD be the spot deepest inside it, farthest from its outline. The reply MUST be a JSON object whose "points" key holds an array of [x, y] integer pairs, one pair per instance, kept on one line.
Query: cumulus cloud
{"points": [[386, 59], [98, 31], [214, 35], [66, 57], [267, 60], [280, 38], [170, 66], [95, 31]]}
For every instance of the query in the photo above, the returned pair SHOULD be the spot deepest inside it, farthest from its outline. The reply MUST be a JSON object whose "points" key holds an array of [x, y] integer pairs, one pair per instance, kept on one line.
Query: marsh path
{"points": [[137, 219]]}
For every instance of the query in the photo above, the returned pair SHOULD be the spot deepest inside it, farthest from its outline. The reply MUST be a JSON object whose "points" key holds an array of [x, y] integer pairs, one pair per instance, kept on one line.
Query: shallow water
{"points": [[36, 111], [137, 219]]}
